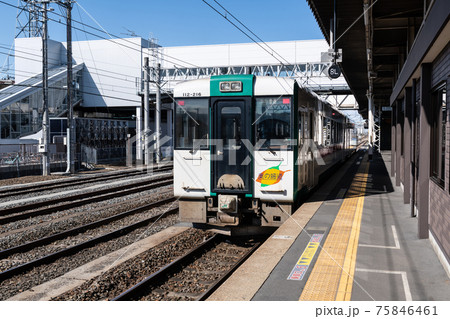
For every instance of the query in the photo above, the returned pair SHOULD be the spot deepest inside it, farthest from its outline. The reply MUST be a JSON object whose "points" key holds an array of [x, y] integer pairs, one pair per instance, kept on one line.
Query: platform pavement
{"points": [[392, 262], [389, 261]]}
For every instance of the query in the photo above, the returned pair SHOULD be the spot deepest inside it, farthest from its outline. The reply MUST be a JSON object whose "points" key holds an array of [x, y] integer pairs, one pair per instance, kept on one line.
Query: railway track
{"points": [[8, 215], [30, 188], [16, 270], [194, 275]]}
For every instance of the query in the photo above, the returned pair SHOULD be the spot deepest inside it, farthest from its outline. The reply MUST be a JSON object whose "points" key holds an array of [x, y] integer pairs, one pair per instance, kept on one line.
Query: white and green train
{"points": [[248, 148]]}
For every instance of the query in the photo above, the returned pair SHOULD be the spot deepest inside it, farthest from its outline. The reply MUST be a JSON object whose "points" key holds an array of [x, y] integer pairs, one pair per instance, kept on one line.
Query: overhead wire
{"points": [[136, 48], [122, 45], [81, 91], [262, 41], [251, 38], [308, 79], [133, 43], [99, 74], [84, 92], [58, 60], [256, 42], [121, 38], [89, 46], [111, 35]]}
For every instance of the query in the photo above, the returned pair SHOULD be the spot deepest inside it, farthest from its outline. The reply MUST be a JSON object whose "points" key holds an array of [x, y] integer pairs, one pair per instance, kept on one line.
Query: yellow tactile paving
{"points": [[332, 276]]}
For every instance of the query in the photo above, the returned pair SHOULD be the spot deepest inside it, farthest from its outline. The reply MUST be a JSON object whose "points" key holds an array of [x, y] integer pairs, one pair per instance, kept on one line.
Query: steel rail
{"points": [[79, 200], [226, 275], [77, 248], [137, 290], [31, 186], [74, 231], [59, 184]]}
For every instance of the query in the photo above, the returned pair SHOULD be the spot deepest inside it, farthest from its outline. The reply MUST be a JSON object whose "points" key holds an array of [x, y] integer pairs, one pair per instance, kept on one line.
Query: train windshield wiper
{"points": [[271, 150]]}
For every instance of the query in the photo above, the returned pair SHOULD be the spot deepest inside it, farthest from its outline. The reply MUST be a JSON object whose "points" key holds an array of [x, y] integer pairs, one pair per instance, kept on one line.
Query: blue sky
{"points": [[182, 22]]}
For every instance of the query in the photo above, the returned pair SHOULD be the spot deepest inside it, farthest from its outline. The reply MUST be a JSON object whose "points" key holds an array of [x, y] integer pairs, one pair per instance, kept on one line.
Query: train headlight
{"points": [[234, 86], [225, 86]]}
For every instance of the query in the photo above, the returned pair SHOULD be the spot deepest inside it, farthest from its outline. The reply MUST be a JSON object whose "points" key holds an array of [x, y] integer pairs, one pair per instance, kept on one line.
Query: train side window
{"points": [[191, 123], [273, 121], [306, 126], [300, 129], [327, 131]]}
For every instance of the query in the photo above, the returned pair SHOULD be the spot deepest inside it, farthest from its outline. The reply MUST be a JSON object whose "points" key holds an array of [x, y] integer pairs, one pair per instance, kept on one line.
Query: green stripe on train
{"points": [[246, 79]]}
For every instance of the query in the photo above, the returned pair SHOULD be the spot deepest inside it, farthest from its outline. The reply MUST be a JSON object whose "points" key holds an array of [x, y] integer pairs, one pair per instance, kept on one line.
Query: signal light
{"points": [[180, 103], [286, 101]]}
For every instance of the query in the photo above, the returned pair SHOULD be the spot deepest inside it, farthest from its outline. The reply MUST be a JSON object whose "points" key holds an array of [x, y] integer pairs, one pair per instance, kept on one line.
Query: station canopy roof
{"points": [[390, 43], [18, 91]]}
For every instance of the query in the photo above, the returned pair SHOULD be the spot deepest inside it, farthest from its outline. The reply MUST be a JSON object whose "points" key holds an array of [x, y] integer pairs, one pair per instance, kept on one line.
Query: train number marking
{"points": [[194, 94]]}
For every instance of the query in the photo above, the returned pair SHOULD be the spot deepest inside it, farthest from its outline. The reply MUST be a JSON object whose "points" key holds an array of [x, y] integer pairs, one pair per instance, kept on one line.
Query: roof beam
{"points": [[436, 21]]}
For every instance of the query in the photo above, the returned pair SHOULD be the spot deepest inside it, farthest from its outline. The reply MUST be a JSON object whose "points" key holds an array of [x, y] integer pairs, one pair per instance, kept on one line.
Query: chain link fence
{"points": [[8, 159]]}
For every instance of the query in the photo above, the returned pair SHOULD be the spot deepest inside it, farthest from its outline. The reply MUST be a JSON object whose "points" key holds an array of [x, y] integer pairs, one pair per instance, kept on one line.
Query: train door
{"points": [[231, 169]]}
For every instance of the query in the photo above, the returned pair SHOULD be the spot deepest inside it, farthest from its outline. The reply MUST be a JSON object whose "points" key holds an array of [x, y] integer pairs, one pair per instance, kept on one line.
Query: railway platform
{"points": [[354, 239]]}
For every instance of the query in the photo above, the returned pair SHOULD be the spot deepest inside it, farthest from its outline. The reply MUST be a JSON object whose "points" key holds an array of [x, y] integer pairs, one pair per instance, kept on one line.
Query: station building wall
{"points": [[112, 68], [28, 60], [413, 122], [440, 194]]}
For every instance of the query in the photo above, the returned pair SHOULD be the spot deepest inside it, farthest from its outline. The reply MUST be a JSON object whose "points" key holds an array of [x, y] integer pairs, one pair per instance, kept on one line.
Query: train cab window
{"points": [[231, 127], [191, 123], [273, 121]]}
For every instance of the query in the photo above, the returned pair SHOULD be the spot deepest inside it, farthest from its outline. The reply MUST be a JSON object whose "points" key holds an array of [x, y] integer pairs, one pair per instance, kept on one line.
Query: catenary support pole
{"points": [[158, 113], [138, 135], [146, 112], [45, 119], [70, 127], [371, 123]]}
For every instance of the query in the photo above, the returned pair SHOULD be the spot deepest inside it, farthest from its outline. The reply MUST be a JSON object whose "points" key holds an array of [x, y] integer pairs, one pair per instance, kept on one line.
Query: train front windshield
{"points": [[191, 123], [273, 122]]}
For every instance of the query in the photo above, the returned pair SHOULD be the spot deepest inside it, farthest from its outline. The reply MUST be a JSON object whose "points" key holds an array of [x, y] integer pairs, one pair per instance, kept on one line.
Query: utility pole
{"points": [[70, 128], [146, 111], [158, 114], [45, 120], [138, 135]]}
